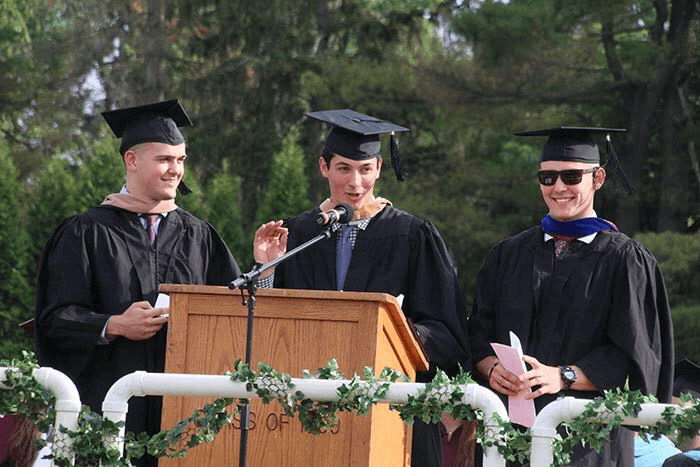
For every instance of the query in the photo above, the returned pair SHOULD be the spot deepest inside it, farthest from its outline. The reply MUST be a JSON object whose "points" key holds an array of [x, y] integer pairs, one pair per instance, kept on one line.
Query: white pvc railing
{"points": [[67, 403], [141, 383], [565, 410]]}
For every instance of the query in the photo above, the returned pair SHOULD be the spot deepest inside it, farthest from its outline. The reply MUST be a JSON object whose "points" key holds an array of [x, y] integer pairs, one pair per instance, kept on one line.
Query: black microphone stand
{"points": [[247, 280]]}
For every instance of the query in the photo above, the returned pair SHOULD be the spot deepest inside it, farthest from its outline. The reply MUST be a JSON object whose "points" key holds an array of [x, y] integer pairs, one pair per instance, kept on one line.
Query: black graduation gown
{"points": [[399, 254], [97, 264], [601, 306]]}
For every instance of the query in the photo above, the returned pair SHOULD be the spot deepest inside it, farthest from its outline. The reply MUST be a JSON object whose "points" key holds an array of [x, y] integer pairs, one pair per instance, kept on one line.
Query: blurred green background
{"points": [[462, 75]]}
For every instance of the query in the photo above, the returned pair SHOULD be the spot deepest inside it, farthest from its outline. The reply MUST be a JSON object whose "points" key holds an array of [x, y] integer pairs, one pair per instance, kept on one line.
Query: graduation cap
{"points": [[686, 378], [151, 123], [356, 136], [576, 144]]}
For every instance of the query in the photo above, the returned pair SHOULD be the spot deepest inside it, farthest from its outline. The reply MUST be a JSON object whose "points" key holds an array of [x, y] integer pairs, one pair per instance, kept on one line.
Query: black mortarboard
{"points": [[576, 144], [686, 379], [151, 123], [356, 136]]}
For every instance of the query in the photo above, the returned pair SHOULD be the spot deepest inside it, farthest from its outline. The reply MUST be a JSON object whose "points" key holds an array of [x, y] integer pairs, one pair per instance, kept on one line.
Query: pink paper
{"points": [[520, 410]]}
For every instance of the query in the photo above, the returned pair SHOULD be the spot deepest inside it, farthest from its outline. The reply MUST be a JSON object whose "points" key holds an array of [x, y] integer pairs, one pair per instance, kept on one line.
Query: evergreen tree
{"points": [[194, 203], [102, 173], [591, 63], [224, 202], [287, 190], [53, 196], [15, 292]]}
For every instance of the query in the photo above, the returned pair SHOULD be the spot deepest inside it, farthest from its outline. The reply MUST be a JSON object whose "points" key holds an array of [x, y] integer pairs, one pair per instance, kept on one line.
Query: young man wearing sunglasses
{"points": [[587, 302]]}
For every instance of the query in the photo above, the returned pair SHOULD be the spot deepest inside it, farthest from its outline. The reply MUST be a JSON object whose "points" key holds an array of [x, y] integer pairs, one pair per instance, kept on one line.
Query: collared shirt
{"points": [[355, 226], [585, 239], [142, 217], [144, 222]]}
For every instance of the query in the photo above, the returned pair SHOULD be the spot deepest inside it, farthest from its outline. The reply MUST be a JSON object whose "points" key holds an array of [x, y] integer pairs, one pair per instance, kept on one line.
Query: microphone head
{"points": [[346, 212]]}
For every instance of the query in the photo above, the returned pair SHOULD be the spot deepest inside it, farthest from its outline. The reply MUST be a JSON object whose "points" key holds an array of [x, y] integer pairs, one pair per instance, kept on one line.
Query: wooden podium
{"points": [[293, 330]]}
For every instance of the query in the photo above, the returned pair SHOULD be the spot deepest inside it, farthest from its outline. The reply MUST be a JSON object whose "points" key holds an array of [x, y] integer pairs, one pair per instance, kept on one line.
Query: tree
{"points": [[476, 194], [240, 65], [53, 196], [225, 214], [100, 173], [287, 192], [15, 292], [621, 64], [47, 57], [195, 202]]}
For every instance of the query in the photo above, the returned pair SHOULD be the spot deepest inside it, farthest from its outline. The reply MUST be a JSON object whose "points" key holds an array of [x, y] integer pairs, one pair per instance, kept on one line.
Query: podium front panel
{"points": [[293, 330]]}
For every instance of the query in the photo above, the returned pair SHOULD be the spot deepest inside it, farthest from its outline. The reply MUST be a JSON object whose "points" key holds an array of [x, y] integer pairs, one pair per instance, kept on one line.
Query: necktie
{"points": [[343, 254], [560, 242], [152, 221]]}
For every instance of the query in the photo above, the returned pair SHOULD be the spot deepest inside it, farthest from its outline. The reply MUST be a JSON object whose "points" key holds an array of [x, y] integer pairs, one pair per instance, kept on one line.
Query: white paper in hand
{"points": [[163, 301], [515, 343]]}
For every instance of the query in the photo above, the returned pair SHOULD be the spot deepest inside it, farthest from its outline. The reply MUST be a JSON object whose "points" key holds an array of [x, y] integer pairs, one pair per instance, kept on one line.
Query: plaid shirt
{"points": [[268, 282]]}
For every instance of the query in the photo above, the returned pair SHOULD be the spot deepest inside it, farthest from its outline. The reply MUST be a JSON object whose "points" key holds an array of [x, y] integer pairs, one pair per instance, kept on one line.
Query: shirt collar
{"points": [[585, 239], [361, 224]]}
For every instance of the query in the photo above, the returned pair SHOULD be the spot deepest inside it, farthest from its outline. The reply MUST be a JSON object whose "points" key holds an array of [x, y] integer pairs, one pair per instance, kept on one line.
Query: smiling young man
{"points": [[391, 251], [571, 202], [154, 170], [587, 302], [100, 271]]}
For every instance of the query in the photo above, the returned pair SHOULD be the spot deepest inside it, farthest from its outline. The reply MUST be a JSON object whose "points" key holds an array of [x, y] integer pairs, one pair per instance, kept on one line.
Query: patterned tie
{"points": [[152, 220], [343, 254], [560, 242]]}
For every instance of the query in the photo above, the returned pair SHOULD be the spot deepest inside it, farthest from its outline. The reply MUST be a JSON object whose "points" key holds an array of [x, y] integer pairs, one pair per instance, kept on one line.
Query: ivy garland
{"points": [[357, 396], [22, 394]]}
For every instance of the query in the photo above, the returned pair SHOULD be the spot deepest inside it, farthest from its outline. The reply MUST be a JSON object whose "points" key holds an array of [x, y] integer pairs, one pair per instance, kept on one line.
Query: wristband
{"points": [[491, 369]]}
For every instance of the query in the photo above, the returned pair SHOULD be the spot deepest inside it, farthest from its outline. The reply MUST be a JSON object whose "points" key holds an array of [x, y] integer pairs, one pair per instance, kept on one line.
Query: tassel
{"points": [[396, 158], [183, 189], [615, 165]]}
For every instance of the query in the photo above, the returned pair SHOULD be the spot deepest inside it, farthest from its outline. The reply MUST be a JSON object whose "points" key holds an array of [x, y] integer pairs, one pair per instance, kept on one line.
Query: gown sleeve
{"points": [[65, 310], [482, 318], [223, 267], [640, 328], [68, 327], [435, 302]]}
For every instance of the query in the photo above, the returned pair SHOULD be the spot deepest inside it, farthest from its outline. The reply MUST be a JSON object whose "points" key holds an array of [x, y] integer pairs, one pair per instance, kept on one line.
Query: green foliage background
{"points": [[15, 292], [462, 75]]}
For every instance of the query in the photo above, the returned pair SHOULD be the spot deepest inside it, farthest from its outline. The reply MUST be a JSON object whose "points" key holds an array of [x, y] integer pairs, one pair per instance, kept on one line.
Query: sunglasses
{"points": [[569, 177]]}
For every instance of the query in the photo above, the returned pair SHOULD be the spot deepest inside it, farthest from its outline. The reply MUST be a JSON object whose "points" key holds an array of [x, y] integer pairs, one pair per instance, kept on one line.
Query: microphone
{"points": [[341, 213]]}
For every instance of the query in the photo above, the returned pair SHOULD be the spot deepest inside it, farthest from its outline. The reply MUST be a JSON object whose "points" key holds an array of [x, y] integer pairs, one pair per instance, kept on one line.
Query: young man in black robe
{"points": [[392, 251], [587, 302], [100, 271]]}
